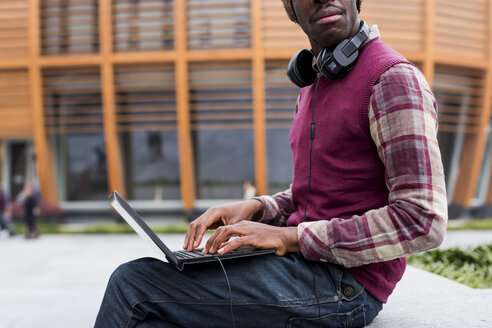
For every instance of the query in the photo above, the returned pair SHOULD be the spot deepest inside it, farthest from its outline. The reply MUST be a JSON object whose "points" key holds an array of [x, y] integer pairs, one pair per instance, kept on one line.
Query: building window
{"points": [[73, 117], [143, 25], [458, 95], [69, 27], [146, 107], [222, 128], [280, 101], [215, 24]]}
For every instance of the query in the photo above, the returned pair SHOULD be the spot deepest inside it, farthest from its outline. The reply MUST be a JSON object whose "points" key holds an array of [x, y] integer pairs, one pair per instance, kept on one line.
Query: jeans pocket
{"points": [[353, 319], [350, 288]]}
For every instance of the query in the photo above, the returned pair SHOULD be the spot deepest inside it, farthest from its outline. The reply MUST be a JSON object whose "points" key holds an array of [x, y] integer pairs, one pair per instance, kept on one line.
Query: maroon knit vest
{"points": [[347, 175]]}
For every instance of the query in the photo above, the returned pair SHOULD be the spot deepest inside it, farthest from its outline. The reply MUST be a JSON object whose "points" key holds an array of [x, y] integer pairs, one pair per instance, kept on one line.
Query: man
{"points": [[369, 192]]}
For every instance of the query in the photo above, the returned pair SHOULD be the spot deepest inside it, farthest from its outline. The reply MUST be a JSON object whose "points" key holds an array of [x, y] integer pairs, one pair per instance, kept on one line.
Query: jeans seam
{"points": [[339, 283], [376, 304], [228, 302], [128, 317], [345, 316], [364, 314], [129, 313]]}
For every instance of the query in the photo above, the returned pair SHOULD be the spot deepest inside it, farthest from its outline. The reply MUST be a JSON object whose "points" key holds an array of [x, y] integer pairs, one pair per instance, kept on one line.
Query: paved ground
{"points": [[58, 281]]}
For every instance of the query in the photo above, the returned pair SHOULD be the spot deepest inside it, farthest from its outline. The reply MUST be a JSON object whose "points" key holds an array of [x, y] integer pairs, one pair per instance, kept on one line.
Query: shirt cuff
{"points": [[270, 208], [312, 248]]}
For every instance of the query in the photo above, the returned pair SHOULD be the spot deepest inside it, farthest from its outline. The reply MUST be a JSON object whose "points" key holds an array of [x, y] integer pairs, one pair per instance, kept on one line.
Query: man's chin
{"points": [[332, 37]]}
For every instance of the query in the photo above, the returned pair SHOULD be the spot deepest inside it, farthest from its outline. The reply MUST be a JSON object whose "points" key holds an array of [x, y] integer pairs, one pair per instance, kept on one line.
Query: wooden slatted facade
{"points": [[145, 97], [14, 30], [69, 27], [15, 109], [197, 71]]}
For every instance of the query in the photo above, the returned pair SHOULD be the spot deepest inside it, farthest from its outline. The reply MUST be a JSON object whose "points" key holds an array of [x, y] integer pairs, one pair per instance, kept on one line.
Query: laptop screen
{"points": [[142, 229]]}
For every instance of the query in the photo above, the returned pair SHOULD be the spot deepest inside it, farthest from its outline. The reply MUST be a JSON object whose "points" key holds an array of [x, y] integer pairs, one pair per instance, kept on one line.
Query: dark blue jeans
{"points": [[267, 291]]}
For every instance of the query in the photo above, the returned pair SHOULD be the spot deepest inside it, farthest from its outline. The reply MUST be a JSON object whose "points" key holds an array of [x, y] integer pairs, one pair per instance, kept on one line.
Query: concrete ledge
{"points": [[58, 281], [423, 299]]}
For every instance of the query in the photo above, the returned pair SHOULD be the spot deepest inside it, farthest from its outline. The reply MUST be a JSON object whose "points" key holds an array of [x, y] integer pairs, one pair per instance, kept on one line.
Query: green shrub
{"points": [[471, 224], [98, 228], [116, 228], [472, 267]]}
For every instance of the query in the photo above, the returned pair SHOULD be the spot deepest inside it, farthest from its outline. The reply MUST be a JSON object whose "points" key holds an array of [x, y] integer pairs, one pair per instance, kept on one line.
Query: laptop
{"points": [[177, 258]]}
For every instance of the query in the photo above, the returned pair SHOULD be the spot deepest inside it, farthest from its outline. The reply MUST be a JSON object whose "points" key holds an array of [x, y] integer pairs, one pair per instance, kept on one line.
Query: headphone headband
{"points": [[357, 40]]}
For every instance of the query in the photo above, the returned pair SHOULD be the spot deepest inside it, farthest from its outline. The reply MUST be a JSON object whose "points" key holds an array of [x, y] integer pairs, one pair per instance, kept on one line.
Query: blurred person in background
{"points": [[368, 190], [30, 201], [6, 227], [249, 190]]}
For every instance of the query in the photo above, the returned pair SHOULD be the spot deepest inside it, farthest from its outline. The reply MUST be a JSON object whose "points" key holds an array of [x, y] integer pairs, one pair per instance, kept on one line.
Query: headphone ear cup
{"points": [[300, 70]]}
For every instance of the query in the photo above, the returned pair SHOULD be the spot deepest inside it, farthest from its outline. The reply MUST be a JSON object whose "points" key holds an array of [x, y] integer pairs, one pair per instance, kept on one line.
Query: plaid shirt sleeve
{"points": [[277, 208], [403, 125]]}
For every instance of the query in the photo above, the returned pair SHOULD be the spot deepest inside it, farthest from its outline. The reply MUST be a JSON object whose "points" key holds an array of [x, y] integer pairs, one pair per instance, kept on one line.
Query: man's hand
{"points": [[258, 235], [221, 215]]}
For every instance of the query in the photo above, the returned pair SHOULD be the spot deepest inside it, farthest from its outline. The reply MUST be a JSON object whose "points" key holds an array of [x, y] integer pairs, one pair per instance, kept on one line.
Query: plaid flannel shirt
{"points": [[403, 124]]}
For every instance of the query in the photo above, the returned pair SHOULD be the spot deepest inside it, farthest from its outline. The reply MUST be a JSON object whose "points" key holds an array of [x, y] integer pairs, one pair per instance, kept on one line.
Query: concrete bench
{"points": [[45, 280], [423, 299]]}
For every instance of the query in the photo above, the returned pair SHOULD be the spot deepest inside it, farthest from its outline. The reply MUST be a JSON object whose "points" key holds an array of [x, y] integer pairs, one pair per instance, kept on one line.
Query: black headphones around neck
{"points": [[332, 63]]}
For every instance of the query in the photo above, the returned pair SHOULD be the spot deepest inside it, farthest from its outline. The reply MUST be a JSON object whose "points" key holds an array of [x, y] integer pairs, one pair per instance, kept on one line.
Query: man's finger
{"points": [[188, 236], [199, 235], [210, 240], [233, 244], [223, 235]]}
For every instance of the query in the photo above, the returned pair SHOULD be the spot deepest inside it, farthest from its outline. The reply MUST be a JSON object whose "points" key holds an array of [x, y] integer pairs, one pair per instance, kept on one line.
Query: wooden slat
{"points": [[15, 105], [14, 34], [69, 27], [459, 93], [154, 127], [218, 24], [404, 25], [221, 126], [44, 152], [114, 161], [281, 94], [455, 128], [221, 85], [182, 93], [488, 101], [143, 25], [470, 39], [70, 60], [278, 31], [72, 99], [144, 57], [219, 55], [145, 96], [474, 147], [261, 174], [429, 41], [14, 63]]}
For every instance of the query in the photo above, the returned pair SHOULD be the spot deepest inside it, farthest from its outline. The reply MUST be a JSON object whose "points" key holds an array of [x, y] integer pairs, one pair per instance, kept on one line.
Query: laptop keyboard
{"points": [[197, 252], [189, 255]]}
